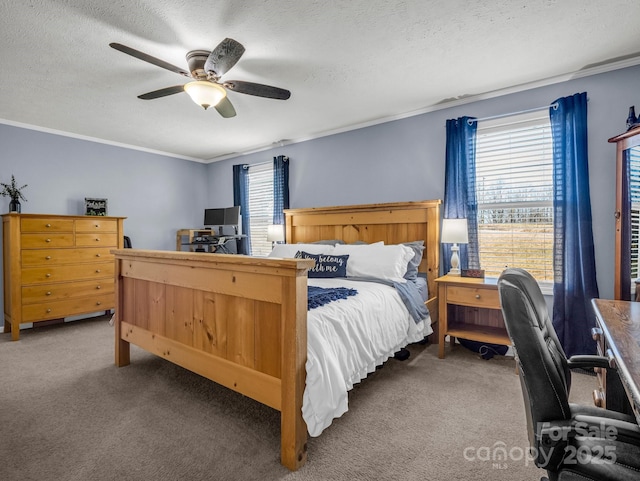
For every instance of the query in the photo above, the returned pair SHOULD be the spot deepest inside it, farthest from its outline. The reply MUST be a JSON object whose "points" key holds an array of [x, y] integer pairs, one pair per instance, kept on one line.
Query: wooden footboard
{"points": [[239, 321]]}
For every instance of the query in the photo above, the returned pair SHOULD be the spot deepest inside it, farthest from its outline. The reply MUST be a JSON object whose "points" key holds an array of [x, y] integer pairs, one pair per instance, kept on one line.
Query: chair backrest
{"points": [[544, 373]]}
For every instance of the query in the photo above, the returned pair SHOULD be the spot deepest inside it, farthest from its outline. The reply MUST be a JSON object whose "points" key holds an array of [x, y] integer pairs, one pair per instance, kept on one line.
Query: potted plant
{"points": [[11, 190]]}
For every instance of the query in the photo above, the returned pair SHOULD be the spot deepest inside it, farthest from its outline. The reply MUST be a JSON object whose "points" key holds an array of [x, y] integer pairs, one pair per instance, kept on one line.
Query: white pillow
{"points": [[288, 251], [376, 260]]}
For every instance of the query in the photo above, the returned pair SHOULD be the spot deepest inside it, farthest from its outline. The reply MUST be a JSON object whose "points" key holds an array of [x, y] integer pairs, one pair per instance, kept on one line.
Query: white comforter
{"points": [[347, 339]]}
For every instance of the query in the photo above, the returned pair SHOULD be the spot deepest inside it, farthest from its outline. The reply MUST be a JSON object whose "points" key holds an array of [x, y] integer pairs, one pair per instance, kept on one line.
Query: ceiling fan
{"points": [[206, 69]]}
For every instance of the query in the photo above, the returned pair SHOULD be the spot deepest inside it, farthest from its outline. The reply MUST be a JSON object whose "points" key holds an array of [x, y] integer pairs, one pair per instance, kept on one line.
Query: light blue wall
{"points": [[157, 194], [403, 160]]}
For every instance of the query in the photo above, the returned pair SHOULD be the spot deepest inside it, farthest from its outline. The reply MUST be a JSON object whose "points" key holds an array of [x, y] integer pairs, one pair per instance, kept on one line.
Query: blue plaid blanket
{"points": [[319, 296]]}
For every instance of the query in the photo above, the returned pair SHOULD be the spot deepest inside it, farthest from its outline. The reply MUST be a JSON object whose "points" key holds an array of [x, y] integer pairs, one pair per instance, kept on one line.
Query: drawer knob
{"points": [[98, 303], [97, 225], [48, 293], [47, 275], [598, 398], [48, 310], [48, 225], [98, 287], [596, 333], [97, 255], [48, 257], [477, 296], [98, 271], [48, 240], [97, 239], [612, 359]]}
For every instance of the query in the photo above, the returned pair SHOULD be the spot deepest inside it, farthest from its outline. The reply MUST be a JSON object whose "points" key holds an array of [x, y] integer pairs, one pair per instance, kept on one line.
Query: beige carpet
{"points": [[67, 413]]}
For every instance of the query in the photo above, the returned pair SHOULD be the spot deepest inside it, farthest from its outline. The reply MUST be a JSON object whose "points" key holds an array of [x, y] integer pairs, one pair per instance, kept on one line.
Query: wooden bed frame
{"points": [[241, 321]]}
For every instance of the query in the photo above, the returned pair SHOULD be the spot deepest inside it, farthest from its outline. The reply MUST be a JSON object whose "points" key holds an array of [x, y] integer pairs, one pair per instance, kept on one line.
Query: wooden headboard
{"points": [[392, 223]]}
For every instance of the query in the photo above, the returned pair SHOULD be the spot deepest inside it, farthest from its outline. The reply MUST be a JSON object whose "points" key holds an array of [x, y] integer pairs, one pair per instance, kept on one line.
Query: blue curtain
{"points": [[280, 188], [241, 198], [574, 260], [460, 188]]}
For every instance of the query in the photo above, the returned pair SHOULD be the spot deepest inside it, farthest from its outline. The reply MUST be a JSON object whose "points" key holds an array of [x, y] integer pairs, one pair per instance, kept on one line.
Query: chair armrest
{"points": [[558, 433], [586, 361], [608, 428]]}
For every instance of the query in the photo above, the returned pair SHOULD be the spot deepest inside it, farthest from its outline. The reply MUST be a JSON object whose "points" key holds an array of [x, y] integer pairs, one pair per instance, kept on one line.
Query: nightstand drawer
{"points": [[473, 296]]}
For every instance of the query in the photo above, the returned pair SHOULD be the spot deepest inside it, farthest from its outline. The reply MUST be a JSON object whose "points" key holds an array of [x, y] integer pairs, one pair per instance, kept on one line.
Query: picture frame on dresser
{"points": [[94, 206]]}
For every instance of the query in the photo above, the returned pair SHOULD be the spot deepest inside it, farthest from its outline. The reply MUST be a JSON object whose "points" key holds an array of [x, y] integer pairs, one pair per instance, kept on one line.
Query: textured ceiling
{"points": [[347, 63]]}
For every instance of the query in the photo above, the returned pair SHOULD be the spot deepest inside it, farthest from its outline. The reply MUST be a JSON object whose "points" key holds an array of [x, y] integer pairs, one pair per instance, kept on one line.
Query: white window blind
{"points": [[634, 191], [260, 207], [514, 185]]}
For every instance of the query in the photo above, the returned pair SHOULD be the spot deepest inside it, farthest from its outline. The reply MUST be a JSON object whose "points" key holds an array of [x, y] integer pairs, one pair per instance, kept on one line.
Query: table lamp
{"points": [[454, 231], [275, 233]]}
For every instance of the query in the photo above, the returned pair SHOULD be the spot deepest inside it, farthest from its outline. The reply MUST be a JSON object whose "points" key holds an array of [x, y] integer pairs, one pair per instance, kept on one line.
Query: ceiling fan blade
{"points": [[225, 108], [148, 58], [258, 90], [223, 57], [176, 89]]}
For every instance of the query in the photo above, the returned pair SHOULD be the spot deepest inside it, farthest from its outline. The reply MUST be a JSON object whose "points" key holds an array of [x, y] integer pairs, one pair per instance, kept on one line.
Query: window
{"points": [[260, 207], [514, 185], [634, 191]]}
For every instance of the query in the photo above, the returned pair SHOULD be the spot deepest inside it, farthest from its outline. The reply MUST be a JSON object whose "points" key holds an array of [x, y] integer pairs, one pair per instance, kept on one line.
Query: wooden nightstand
{"points": [[469, 308]]}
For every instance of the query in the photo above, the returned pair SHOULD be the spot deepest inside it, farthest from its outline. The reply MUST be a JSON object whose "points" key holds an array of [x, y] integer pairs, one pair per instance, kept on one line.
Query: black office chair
{"points": [[570, 441]]}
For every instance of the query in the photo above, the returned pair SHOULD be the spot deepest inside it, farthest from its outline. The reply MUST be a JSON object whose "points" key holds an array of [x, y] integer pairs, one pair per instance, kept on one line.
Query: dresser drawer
{"points": [[473, 296], [97, 239], [62, 273], [46, 224], [69, 307], [66, 290], [96, 225], [39, 241], [46, 257]]}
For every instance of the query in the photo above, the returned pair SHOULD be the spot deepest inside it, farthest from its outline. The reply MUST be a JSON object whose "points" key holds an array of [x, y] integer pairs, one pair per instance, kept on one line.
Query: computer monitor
{"points": [[213, 217], [232, 215], [222, 216]]}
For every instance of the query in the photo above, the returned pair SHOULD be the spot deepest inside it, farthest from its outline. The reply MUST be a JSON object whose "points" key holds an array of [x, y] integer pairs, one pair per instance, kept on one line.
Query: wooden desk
{"points": [[480, 296], [620, 340], [190, 234]]}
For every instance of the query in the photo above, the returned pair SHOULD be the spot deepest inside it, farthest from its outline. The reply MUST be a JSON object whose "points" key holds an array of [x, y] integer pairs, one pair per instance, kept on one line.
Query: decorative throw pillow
{"points": [[326, 265]]}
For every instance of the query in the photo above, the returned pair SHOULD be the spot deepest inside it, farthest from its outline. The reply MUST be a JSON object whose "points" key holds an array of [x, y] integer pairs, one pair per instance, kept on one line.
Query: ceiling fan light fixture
{"points": [[204, 93]]}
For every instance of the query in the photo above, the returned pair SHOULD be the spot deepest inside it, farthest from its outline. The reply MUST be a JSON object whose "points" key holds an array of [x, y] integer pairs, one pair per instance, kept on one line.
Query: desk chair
{"points": [[570, 441]]}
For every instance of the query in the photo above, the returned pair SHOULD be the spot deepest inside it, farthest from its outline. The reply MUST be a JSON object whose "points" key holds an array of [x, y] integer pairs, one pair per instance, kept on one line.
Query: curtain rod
{"points": [[554, 106], [246, 166]]}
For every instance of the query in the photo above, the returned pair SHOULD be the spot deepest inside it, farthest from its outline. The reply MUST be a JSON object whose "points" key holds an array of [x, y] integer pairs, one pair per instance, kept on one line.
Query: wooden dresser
{"points": [[57, 266]]}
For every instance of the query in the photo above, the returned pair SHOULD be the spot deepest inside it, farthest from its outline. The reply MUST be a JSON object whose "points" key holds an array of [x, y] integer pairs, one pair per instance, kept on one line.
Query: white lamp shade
{"points": [[206, 94], [454, 231], [275, 233]]}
